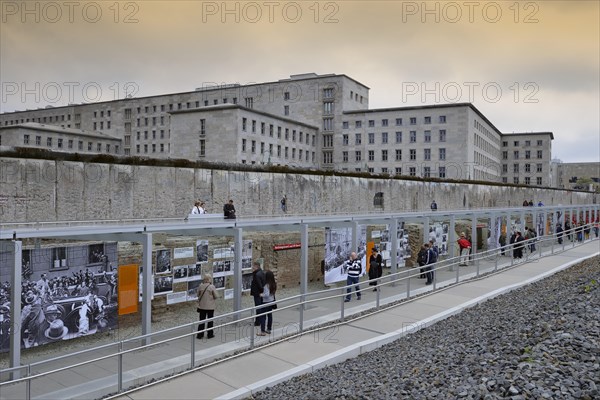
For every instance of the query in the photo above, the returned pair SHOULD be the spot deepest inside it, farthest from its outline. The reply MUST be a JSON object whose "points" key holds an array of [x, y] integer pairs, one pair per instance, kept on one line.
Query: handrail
{"points": [[390, 279]]}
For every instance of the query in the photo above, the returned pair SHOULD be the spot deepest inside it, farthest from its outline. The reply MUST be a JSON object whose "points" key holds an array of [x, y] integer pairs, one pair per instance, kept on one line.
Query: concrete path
{"points": [[241, 376]]}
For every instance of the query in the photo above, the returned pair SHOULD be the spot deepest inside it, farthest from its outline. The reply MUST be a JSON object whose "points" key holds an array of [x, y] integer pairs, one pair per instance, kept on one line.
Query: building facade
{"points": [[325, 123], [581, 176]]}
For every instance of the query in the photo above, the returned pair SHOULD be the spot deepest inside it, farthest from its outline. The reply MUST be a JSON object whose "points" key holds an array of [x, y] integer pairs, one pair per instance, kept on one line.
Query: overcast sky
{"points": [[528, 66]]}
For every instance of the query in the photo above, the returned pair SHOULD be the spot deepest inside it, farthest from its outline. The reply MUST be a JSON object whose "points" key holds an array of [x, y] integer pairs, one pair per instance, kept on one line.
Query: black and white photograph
{"points": [[76, 300], [246, 281], [438, 233], [163, 261], [246, 263], [338, 246], [247, 250], [219, 282], [180, 273], [194, 271], [201, 251], [228, 267], [95, 253], [218, 268], [163, 285], [223, 252], [192, 288]]}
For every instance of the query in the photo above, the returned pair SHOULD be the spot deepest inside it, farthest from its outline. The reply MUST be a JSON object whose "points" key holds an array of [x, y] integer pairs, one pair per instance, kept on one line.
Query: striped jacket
{"points": [[354, 268]]}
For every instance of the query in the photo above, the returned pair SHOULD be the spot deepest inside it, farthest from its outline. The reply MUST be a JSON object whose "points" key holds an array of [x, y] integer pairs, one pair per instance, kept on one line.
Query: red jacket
{"points": [[463, 243]]}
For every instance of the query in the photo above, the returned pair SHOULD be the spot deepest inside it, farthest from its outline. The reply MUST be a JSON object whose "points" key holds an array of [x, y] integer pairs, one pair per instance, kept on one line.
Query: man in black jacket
{"points": [[256, 287], [229, 210]]}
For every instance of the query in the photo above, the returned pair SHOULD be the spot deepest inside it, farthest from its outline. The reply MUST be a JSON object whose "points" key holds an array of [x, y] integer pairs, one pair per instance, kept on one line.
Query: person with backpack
{"points": [[284, 204]]}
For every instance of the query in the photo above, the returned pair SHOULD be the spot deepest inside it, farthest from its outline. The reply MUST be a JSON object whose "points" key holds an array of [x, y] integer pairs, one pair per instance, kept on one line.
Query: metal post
{"points": [[355, 236], [120, 368], [238, 245], [303, 271], [425, 229], [474, 238], [377, 297], [343, 303], [147, 287], [28, 384], [14, 251], [193, 347], [393, 233], [408, 287], [452, 240]]}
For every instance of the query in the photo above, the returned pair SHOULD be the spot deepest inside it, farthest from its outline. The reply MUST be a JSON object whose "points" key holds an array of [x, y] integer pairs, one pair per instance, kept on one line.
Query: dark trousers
{"points": [[204, 314], [428, 274], [257, 302], [352, 281], [265, 318]]}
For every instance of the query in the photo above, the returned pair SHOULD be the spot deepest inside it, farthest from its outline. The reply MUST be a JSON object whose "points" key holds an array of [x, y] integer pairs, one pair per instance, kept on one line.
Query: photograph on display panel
{"points": [[163, 261], [76, 299], [201, 251], [192, 288], [163, 285], [338, 246], [180, 273], [246, 281], [219, 282]]}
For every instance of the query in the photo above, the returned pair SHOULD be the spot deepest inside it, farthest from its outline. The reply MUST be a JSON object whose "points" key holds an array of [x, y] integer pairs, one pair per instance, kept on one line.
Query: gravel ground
{"points": [[538, 342]]}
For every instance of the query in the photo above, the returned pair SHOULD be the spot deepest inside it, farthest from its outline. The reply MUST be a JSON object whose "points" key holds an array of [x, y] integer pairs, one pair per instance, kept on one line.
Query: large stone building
{"points": [[582, 176], [308, 120]]}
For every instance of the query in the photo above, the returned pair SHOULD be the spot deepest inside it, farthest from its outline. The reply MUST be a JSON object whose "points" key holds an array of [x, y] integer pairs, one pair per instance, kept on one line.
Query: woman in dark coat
{"points": [[375, 267]]}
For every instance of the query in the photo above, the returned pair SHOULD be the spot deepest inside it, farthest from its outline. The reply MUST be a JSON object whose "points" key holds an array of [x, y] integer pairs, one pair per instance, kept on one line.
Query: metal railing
{"points": [[17, 382]]}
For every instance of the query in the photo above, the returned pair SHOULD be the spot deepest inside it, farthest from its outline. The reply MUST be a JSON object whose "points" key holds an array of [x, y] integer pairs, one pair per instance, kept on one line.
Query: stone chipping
{"points": [[541, 341]]}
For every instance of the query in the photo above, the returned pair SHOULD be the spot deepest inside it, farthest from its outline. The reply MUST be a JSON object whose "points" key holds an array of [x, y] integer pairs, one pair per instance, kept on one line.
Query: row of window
{"points": [[526, 181], [516, 154], [398, 137], [101, 125], [399, 122], [60, 144], [55, 118], [286, 150], [481, 128], [356, 97], [527, 143], [295, 135], [102, 114], [412, 155], [153, 148], [427, 172], [154, 136], [149, 120], [181, 106], [516, 168]]}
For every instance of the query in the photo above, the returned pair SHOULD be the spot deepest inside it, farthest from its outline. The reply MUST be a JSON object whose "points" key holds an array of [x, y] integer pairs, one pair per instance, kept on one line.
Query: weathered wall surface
{"points": [[47, 190]]}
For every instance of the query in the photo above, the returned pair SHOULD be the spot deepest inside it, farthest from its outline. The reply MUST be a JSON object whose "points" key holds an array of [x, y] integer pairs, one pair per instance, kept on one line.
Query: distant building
{"points": [[581, 176], [305, 121]]}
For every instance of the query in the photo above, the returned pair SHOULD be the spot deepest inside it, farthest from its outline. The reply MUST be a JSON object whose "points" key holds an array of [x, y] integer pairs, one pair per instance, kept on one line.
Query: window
{"points": [[505, 155], [539, 142], [253, 126], [538, 180], [328, 93], [413, 121], [262, 147], [344, 156], [442, 119], [244, 122], [327, 124], [25, 139], [539, 154], [278, 132], [527, 154], [538, 167], [146, 135], [358, 155], [327, 157], [378, 200], [162, 133], [371, 138], [345, 125], [358, 124], [145, 148], [243, 145], [286, 152], [384, 155], [345, 140], [205, 103], [253, 148], [427, 172], [442, 172], [384, 122], [384, 137], [293, 152], [328, 107], [286, 110], [398, 121], [527, 167], [80, 145], [286, 95], [262, 128], [427, 136], [516, 143], [59, 143], [398, 170], [49, 142], [504, 179], [99, 147], [270, 149], [398, 137], [516, 180], [527, 180], [271, 130], [70, 143], [412, 171], [249, 102], [95, 126], [516, 154], [202, 147], [505, 168], [413, 136], [371, 123], [357, 138], [413, 155], [527, 143], [327, 140], [442, 154], [278, 151], [371, 155], [300, 136], [287, 133], [427, 120], [442, 135], [398, 155], [427, 154], [504, 144], [516, 168]]}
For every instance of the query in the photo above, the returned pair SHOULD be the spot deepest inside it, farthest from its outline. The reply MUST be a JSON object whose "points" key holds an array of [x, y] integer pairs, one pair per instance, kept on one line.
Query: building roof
{"points": [[292, 78], [57, 129], [237, 106], [529, 134], [428, 107]]}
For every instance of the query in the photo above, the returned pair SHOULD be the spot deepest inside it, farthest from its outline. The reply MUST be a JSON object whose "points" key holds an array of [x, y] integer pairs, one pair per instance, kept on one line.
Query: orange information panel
{"points": [[370, 246], [128, 289]]}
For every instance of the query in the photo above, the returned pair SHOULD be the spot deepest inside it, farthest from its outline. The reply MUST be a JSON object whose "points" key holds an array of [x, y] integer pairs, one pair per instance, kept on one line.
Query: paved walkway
{"points": [[239, 377]]}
